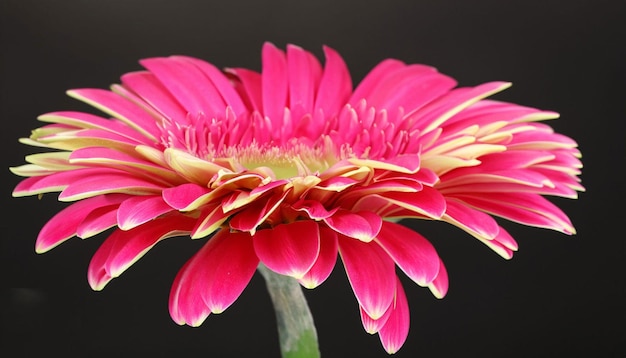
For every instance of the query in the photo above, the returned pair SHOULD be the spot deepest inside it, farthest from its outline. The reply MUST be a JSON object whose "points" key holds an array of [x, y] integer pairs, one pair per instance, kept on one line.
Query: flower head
{"points": [[292, 168]]}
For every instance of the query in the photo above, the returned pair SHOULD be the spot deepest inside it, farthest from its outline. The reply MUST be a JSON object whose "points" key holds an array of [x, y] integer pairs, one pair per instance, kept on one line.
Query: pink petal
{"points": [[313, 209], [64, 224], [439, 287], [415, 255], [107, 138], [233, 265], [506, 239], [188, 85], [337, 184], [98, 221], [107, 181], [416, 91], [250, 88], [371, 273], [428, 202], [436, 113], [371, 325], [490, 111], [373, 78], [211, 218], [409, 162], [152, 91], [194, 169], [274, 82], [335, 85], [220, 81], [138, 210], [213, 278], [498, 247], [86, 120], [109, 157], [503, 186], [398, 82], [325, 262], [514, 159], [382, 187], [186, 305], [379, 205], [289, 249], [53, 182], [395, 331], [475, 222], [423, 176], [406, 163], [184, 196], [363, 225], [256, 213], [241, 198], [123, 248], [525, 208], [119, 107], [304, 73]]}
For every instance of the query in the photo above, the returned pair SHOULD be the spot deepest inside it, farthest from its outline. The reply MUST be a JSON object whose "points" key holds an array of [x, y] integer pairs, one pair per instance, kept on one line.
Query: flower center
{"points": [[289, 160]]}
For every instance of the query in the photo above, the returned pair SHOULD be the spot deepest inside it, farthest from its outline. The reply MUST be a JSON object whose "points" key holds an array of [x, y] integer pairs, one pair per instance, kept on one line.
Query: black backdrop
{"points": [[559, 296]]}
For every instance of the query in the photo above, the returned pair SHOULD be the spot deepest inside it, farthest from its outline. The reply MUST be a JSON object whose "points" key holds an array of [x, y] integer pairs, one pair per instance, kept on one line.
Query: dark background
{"points": [[560, 296]]}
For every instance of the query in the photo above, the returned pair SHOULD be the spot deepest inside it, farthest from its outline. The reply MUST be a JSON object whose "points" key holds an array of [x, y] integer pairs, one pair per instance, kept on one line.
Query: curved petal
{"points": [[304, 74], [86, 120], [111, 158], [194, 169], [148, 87], [373, 78], [506, 239], [221, 82], [475, 222], [314, 209], [120, 108], [249, 87], [371, 325], [213, 278], [371, 273], [289, 249], [428, 202], [415, 255], [253, 215], [335, 84], [325, 262], [123, 248], [438, 112], [64, 224], [393, 334], [274, 83], [138, 210], [439, 286], [98, 221], [187, 84], [185, 197], [185, 304], [411, 89], [55, 181], [526, 208], [106, 182], [363, 225], [210, 219]]}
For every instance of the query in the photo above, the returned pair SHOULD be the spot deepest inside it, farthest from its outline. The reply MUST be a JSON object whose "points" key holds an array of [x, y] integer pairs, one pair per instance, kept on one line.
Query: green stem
{"points": [[296, 330]]}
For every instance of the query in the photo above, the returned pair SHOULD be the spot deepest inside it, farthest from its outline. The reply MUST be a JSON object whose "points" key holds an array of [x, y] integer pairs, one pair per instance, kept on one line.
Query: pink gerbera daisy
{"points": [[292, 168]]}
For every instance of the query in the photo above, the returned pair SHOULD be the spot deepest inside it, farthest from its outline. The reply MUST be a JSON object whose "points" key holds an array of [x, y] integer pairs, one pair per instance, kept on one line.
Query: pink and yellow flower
{"points": [[291, 168]]}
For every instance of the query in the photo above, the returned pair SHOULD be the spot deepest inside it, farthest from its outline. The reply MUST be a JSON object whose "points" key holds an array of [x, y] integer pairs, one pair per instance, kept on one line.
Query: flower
{"points": [[292, 168]]}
